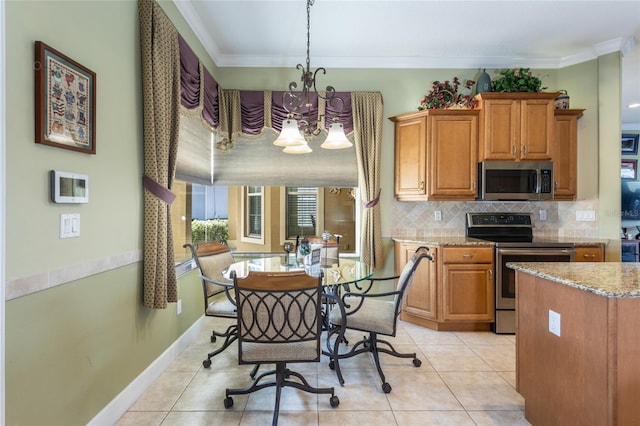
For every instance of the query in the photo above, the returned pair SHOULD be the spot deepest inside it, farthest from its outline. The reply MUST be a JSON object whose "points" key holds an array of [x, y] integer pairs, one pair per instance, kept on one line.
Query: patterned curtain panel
{"points": [[161, 97], [367, 122]]}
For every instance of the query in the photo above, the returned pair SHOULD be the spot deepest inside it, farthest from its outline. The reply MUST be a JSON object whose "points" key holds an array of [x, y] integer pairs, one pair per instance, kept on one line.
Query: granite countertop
{"points": [[608, 279], [445, 241], [467, 241]]}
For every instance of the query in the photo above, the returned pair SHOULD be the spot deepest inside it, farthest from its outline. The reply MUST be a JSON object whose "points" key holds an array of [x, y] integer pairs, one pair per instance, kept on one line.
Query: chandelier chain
{"points": [[309, 4]]}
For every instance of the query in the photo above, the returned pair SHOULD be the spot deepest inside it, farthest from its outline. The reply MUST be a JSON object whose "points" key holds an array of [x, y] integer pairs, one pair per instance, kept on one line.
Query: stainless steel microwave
{"points": [[515, 180]]}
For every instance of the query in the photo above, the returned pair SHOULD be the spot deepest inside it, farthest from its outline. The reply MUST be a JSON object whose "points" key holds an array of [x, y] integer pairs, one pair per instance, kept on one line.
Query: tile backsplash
{"points": [[418, 219]]}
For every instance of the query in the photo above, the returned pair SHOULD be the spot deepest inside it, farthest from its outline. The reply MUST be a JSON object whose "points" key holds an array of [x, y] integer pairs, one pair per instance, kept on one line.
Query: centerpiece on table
{"points": [[517, 80], [445, 95]]}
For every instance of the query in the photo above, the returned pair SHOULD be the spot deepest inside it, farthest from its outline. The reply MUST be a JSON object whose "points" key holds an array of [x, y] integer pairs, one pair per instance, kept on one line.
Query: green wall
{"points": [[72, 348]]}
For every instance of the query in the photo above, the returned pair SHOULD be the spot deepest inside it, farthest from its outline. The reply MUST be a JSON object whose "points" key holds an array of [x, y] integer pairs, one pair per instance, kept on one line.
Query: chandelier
{"points": [[298, 128]]}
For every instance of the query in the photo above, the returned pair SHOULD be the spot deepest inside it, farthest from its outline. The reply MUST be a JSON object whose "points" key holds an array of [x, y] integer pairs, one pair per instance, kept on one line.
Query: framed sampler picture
{"points": [[65, 101]]}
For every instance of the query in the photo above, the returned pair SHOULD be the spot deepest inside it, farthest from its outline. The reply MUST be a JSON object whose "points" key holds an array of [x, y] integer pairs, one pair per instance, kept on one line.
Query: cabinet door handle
{"points": [[513, 149], [524, 149], [421, 184], [467, 255], [589, 256]]}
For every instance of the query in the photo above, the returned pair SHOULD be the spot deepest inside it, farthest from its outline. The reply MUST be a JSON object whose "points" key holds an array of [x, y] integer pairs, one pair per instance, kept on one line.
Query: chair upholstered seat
{"points": [[220, 306], [273, 352], [373, 315]]}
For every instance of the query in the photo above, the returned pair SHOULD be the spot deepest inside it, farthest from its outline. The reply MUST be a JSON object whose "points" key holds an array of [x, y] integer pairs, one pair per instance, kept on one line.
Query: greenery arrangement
{"points": [[209, 230], [445, 95], [517, 80]]}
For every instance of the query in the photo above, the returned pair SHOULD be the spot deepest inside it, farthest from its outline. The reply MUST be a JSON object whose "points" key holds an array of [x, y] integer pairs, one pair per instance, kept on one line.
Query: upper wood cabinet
{"points": [[436, 155], [516, 126], [565, 153]]}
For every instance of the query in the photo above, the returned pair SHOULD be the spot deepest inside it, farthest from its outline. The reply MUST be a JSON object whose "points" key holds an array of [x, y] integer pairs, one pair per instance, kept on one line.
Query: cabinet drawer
{"points": [[467, 255], [588, 254]]}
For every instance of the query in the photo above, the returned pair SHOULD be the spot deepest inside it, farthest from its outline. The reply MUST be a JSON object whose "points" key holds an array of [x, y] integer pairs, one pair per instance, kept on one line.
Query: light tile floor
{"points": [[466, 378]]}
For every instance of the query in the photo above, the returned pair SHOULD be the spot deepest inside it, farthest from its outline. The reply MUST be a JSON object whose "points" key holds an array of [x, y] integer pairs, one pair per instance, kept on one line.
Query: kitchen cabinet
{"points": [[565, 153], [436, 155], [589, 253], [454, 292], [516, 126], [468, 287], [421, 302]]}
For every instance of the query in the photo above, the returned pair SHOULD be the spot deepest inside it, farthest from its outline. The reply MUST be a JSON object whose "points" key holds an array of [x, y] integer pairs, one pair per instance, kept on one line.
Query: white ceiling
{"points": [[422, 34]]}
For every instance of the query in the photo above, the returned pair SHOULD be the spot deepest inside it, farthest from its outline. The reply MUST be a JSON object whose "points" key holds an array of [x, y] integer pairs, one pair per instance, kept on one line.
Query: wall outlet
{"points": [[179, 307], [543, 214], [437, 215], [554, 322]]}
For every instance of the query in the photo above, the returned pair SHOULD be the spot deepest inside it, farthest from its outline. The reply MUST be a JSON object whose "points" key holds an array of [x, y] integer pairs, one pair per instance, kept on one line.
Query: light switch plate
{"points": [[437, 215], [69, 225], [585, 215]]}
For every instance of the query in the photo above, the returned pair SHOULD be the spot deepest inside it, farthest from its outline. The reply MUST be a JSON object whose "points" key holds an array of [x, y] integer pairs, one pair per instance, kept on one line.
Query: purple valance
{"points": [[189, 76], [190, 85], [252, 111]]}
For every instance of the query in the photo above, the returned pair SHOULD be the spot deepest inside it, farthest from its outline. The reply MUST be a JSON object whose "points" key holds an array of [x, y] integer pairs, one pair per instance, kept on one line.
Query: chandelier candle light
{"points": [[297, 128]]}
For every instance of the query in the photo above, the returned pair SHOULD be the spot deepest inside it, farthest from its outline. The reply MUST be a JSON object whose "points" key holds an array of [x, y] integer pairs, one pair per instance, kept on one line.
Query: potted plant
{"points": [[517, 80], [445, 95]]}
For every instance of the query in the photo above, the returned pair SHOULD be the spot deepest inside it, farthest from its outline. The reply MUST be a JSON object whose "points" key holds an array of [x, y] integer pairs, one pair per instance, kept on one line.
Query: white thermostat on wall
{"points": [[69, 187]]}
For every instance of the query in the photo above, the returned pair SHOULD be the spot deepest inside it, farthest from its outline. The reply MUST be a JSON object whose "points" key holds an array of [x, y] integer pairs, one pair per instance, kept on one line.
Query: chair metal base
{"points": [[230, 336], [282, 374], [371, 344]]}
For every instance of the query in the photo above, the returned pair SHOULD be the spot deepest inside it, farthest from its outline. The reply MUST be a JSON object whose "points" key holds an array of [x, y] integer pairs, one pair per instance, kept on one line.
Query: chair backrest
{"points": [[282, 307], [212, 258], [406, 276]]}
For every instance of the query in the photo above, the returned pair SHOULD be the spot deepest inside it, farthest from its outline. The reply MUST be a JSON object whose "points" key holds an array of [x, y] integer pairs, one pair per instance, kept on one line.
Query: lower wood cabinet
{"points": [[468, 286], [454, 292], [421, 302]]}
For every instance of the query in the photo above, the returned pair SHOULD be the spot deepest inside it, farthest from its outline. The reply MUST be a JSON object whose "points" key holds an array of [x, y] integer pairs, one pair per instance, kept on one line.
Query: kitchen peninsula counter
{"points": [[587, 371]]}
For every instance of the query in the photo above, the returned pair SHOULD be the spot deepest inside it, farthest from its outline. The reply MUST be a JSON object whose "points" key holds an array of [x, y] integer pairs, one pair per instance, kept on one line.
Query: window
{"points": [[253, 213], [301, 211]]}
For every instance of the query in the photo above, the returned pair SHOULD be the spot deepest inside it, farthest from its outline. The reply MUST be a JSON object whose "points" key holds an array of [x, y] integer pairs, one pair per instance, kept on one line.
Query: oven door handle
{"points": [[535, 252]]}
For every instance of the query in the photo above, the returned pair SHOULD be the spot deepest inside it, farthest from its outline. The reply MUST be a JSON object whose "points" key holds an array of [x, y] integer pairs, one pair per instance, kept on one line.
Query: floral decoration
{"points": [[517, 80], [445, 95]]}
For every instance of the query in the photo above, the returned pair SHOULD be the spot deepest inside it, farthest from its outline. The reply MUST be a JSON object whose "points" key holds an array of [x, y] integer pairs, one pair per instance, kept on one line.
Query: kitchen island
{"points": [[578, 342]]}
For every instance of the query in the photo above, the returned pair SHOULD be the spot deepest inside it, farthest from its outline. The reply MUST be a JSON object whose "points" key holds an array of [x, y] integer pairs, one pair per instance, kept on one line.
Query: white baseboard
{"points": [[112, 412]]}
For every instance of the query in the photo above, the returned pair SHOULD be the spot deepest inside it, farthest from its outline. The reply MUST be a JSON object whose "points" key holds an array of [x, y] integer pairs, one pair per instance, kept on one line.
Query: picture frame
{"points": [[629, 144], [65, 101], [629, 169]]}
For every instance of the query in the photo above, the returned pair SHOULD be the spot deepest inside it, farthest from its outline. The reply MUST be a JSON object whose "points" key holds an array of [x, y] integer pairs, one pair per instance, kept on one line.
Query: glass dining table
{"points": [[337, 275], [336, 272]]}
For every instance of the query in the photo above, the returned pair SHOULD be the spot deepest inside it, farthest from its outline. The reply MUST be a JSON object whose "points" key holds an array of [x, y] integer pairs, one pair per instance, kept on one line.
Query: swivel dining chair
{"points": [[279, 321], [372, 312], [212, 258]]}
